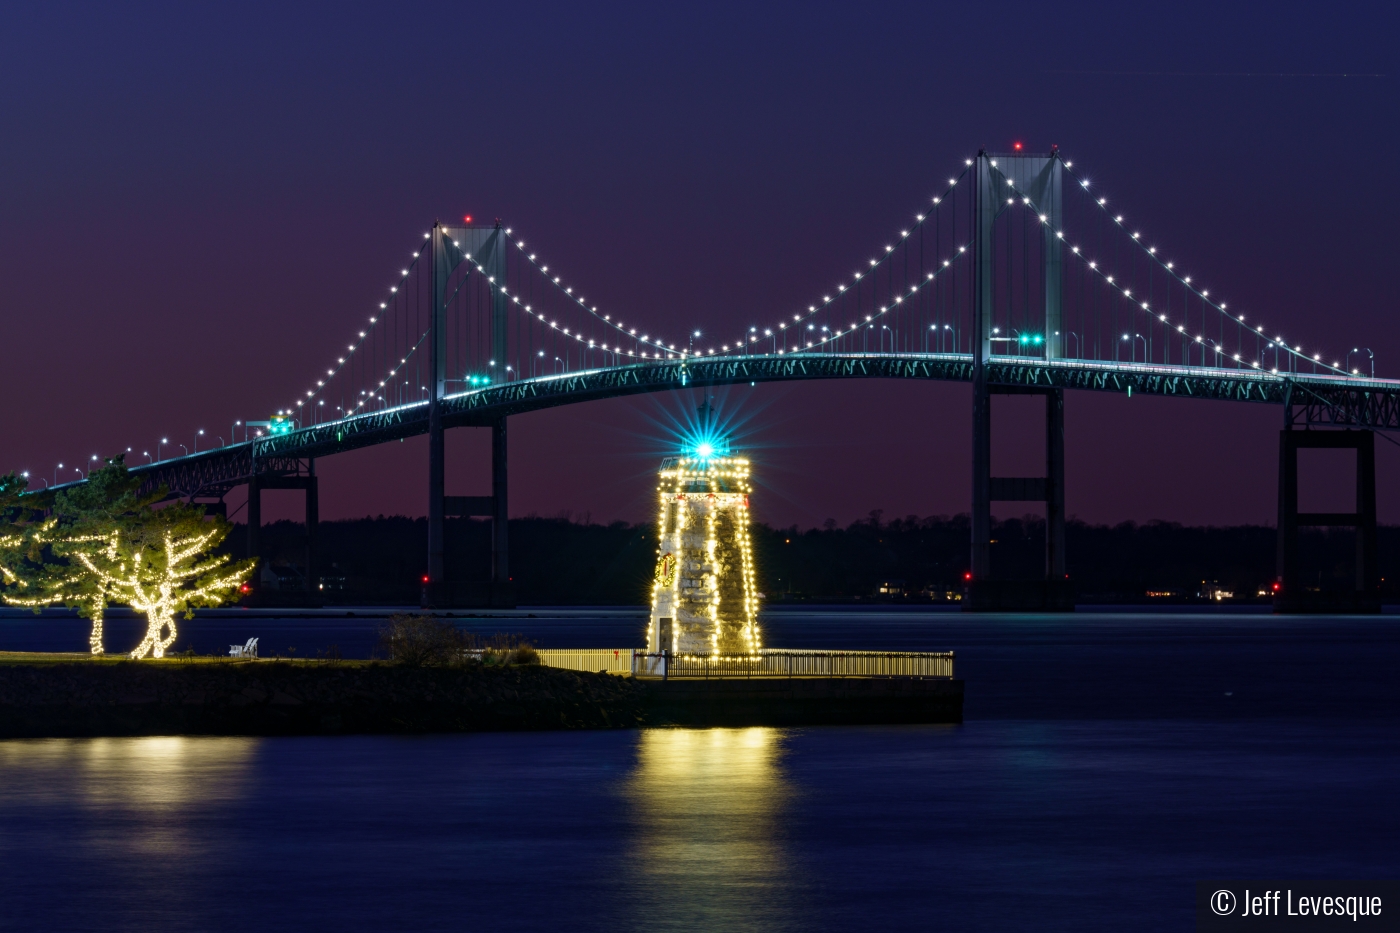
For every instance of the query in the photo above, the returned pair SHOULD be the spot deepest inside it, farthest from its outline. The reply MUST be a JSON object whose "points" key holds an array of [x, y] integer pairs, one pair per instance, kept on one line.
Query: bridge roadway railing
{"points": [[1342, 401]]}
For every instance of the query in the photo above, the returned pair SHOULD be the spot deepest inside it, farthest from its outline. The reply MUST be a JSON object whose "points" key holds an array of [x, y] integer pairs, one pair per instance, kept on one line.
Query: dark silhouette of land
{"points": [[563, 561]]}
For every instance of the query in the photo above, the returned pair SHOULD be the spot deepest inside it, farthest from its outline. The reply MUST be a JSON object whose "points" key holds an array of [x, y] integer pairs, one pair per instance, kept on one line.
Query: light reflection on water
{"points": [[708, 807], [124, 806], [1106, 763]]}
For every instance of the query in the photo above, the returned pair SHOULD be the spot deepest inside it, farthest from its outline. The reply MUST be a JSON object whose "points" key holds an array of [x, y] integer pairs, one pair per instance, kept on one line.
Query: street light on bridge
{"points": [[1133, 346], [1367, 351]]}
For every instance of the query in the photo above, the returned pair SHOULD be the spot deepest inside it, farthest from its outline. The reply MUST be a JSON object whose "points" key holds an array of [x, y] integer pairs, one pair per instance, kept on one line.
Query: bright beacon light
{"points": [[704, 450]]}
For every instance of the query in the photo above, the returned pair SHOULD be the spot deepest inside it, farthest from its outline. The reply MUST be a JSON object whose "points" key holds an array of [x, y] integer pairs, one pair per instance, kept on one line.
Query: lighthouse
{"points": [[704, 594]]}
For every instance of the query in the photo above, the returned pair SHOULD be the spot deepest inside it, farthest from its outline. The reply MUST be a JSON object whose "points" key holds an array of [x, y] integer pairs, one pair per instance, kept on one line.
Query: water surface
{"points": [[1108, 761]]}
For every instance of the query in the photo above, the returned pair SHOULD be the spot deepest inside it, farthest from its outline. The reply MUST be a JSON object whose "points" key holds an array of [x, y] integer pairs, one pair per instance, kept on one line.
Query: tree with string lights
{"points": [[21, 536], [27, 533], [160, 563], [87, 519], [120, 548], [107, 543]]}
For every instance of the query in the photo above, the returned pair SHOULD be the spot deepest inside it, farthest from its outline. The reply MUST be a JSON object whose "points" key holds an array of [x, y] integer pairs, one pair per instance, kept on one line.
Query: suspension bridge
{"points": [[1015, 277]]}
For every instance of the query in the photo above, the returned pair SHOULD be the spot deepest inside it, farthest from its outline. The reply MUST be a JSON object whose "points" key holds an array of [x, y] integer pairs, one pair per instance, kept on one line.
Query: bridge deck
{"points": [[1331, 400]]}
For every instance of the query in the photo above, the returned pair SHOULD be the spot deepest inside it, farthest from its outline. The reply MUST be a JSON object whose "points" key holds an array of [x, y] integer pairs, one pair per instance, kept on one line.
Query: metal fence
{"points": [[769, 663], [780, 663], [594, 660]]}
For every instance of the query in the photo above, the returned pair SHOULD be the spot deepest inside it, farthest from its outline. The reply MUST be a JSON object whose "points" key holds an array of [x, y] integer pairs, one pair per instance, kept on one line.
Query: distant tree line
{"points": [[562, 561]]}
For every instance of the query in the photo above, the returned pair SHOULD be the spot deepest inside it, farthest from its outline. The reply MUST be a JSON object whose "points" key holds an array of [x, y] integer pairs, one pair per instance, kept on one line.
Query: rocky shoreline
{"points": [[291, 698], [85, 698]]}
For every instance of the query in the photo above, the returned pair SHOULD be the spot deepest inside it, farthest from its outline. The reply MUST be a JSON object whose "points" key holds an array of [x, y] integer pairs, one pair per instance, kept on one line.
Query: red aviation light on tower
{"points": [[467, 219], [1016, 146]]}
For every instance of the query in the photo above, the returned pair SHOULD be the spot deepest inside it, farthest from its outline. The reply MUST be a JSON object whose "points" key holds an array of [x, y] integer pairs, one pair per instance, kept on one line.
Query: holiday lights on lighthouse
{"points": [[704, 592]]}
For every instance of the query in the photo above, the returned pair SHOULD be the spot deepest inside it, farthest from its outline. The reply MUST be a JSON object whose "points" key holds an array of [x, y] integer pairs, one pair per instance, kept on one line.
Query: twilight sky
{"points": [[198, 204]]}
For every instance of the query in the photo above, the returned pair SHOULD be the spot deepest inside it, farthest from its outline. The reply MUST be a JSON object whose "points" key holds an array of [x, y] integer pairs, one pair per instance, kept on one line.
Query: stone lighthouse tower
{"points": [[704, 595]]}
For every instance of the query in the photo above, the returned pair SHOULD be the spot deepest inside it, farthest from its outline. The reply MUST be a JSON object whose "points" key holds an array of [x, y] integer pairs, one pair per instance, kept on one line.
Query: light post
{"points": [[184, 448], [1132, 349], [768, 332], [692, 342], [1070, 333], [55, 473], [221, 440], [163, 442], [233, 431], [883, 328], [1367, 351], [1220, 350], [197, 435], [147, 455], [560, 362]]}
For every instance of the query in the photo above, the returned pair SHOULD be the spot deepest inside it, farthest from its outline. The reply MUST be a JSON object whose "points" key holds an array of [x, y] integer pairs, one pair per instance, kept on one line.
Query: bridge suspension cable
{"points": [[912, 297]]}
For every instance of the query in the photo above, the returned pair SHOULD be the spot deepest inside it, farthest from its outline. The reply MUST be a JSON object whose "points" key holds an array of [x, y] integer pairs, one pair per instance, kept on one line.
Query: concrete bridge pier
{"points": [[442, 591], [1291, 592], [984, 592], [310, 592]]}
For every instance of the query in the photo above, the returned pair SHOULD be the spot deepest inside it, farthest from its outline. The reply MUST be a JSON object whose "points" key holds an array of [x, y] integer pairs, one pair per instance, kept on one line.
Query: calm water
{"points": [[1108, 761]]}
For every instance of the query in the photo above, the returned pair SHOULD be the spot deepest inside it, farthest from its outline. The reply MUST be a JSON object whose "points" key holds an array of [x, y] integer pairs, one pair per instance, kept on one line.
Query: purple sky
{"points": [[198, 206]]}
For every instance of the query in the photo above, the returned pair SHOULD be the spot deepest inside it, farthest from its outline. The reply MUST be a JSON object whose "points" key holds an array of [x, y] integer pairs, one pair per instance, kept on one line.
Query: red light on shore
{"points": [[245, 588], [968, 575], [425, 578], [1277, 587], [466, 220], [1016, 146]]}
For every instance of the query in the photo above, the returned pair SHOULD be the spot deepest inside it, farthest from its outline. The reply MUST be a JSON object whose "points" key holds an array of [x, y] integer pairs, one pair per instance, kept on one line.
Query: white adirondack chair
{"points": [[250, 650]]}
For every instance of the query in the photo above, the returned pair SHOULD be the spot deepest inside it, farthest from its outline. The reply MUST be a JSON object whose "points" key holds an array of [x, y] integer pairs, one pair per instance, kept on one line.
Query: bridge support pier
{"points": [[310, 593], [984, 592], [498, 591], [1291, 595]]}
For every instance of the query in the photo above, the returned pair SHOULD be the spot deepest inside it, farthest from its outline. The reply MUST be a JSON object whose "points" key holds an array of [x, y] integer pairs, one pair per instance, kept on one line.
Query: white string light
{"points": [[1203, 294], [662, 349]]}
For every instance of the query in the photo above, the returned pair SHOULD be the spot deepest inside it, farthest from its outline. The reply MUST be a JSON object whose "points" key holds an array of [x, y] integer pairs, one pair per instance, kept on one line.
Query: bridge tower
{"points": [[1291, 593], [484, 247], [1040, 178]]}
